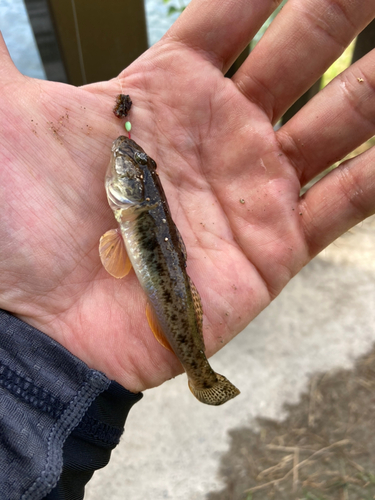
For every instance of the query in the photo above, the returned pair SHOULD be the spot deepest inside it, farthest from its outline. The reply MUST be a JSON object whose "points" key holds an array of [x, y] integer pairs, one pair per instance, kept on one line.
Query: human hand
{"points": [[232, 182]]}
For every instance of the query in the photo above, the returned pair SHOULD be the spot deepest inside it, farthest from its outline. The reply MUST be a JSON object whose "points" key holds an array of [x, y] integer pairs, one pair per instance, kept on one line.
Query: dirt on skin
{"points": [[323, 450]]}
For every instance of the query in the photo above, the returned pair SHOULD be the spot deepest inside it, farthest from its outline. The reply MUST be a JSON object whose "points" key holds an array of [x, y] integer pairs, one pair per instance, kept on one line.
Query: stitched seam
{"points": [[100, 431], [26, 391], [68, 420]]}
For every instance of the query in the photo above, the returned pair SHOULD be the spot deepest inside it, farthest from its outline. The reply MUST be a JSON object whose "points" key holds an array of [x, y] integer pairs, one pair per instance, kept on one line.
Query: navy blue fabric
{"points": [[89, 446], [59, 420]]}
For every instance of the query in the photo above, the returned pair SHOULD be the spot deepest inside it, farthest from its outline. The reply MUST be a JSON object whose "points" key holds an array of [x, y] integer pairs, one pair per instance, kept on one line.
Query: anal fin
{"points": [[156, 328]]}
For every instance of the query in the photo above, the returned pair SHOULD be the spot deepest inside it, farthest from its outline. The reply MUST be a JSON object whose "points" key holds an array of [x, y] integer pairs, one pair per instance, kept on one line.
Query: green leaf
{"points": [[173, 10]]}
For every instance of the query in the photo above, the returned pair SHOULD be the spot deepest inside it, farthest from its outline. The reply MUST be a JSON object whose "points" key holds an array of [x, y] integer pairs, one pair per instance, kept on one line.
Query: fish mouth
{"points": [[118, 142], [123, 146]]}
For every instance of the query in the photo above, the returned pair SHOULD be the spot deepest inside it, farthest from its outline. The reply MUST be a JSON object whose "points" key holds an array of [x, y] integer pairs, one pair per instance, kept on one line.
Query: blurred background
{"points": [[84, 41], [302, 427]]}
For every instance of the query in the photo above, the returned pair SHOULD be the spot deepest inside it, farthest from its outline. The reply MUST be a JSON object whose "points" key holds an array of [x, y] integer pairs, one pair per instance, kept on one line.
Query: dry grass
{"points": [[324, 450]]}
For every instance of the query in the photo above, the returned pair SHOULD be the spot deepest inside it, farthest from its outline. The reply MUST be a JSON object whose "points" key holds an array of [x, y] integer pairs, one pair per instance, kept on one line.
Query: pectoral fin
{"points": [[155, 327], [113, 254]]}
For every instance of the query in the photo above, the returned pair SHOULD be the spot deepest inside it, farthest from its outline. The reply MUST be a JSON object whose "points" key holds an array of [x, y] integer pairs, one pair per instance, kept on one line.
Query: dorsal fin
{"points": [[182, 245], [198, 313]]}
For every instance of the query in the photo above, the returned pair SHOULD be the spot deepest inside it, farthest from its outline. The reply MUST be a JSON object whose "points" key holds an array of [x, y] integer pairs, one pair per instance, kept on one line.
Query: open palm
{"points": [[233, 184]]}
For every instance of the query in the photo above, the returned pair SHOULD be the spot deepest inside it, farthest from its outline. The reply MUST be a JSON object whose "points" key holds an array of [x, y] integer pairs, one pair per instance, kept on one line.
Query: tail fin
{"points": [[220, 392]]}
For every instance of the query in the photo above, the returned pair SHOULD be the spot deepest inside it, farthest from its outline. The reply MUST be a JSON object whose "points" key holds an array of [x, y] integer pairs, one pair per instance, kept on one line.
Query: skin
{"points": [[214, 144]]}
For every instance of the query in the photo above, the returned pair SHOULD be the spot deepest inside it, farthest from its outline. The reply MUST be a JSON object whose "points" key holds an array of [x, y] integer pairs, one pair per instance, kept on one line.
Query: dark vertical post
{"points": [[46, 41], [94, 39], [98, 39]]}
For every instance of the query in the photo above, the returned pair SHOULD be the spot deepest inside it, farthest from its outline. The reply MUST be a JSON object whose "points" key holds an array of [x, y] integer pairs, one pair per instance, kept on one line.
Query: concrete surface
{"points": [[324, 319]]}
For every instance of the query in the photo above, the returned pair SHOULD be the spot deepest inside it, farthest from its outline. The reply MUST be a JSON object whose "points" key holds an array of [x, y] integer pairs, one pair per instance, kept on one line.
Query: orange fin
{"points": [[198, 312], [113, 254], [156, 328]]}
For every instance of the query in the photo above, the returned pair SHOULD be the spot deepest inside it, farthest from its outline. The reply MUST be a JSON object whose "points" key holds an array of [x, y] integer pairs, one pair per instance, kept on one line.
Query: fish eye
{"points": [[141, 158]]}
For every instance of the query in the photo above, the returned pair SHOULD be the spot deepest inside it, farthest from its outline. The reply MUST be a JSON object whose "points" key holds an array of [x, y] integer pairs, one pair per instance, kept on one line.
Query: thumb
{"points": [[8, 71]]}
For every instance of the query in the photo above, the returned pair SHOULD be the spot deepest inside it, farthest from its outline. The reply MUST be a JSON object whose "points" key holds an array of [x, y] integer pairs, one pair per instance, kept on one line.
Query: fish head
{"points": [[126, 173]]}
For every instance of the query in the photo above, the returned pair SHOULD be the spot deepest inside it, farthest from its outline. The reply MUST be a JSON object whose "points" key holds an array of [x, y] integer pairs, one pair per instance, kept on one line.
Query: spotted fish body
{"points": [[157, 254]]}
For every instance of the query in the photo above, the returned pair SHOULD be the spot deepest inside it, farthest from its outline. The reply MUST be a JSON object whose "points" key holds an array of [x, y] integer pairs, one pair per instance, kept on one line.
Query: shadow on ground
{"points": [[323, 450]]}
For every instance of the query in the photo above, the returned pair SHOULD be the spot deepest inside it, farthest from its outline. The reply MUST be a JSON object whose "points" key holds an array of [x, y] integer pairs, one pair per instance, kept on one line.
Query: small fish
{"points": [[148, 240]]}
